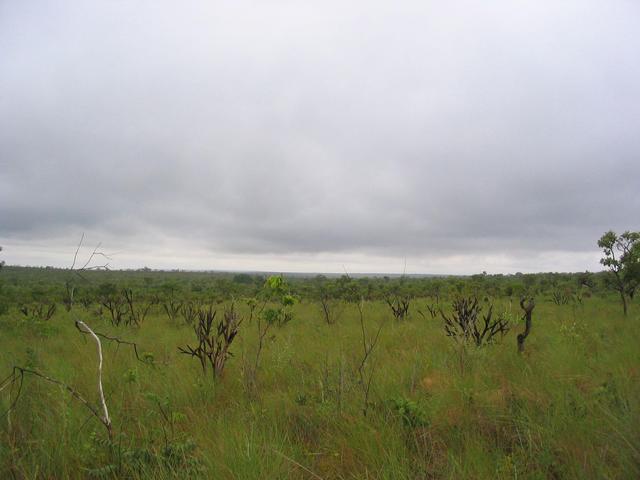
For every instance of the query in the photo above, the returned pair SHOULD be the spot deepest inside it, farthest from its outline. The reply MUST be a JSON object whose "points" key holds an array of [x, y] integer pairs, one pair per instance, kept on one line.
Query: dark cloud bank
{"points": [[470, 136]]}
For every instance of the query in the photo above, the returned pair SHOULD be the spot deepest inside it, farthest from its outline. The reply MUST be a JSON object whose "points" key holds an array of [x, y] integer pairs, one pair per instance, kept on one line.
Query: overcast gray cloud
{"points": [[461, 136]]}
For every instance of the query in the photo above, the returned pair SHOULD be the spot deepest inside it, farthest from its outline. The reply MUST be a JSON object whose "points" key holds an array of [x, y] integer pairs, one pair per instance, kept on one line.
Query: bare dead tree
{"points": [[464, 324], [116, 307], [328, 294], [80, 268], [137, 311], [528, 309], [204, 334], [214, 343], [263, 325], [331, 308], [326, 310], [39, 311], [86, 266], [366, 367], [172, 308], [86, 302], [399, 305], [433, 310]]}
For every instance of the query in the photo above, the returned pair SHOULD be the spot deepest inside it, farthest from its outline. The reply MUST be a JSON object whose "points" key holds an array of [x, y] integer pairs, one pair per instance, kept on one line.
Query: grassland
{"points": [[569, 407]]}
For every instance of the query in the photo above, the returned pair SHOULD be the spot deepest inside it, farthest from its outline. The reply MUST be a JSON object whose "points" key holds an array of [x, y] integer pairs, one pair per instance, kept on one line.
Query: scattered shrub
{"points": [[466, 325]]}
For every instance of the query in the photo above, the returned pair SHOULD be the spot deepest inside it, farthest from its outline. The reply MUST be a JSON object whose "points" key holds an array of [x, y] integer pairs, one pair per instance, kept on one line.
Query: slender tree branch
{"points": [[18, 375], [118, 341]]}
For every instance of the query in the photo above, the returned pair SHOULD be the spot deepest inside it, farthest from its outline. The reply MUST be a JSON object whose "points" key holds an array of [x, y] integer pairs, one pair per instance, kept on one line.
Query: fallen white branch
{"points": [[83, 327]]}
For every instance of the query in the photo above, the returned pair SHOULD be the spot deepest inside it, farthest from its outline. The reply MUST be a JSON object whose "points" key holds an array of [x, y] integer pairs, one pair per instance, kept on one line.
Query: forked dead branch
{"points": [[101, 413]]}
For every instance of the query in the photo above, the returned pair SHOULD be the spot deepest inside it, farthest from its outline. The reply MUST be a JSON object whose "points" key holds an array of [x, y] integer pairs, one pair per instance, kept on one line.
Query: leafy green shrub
{"points": [[412, 414], [175, 458]]}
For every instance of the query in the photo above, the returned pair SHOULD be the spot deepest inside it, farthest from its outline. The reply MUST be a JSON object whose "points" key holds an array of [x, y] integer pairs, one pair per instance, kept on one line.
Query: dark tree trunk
{"points": [[624, 302], [528, 308]]}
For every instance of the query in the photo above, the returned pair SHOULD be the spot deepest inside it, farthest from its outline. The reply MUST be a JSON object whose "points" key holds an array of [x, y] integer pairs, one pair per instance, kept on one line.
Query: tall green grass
{"points": [[567, 408]]}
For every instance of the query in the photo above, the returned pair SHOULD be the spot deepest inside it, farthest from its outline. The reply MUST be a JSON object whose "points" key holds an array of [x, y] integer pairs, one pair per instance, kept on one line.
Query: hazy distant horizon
{"points": [[115, 265], [300, 274]]}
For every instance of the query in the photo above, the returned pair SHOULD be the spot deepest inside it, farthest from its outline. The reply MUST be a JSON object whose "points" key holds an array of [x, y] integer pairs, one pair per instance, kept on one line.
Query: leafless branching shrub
{"points": [[86, 302], [329, 296], [467, 325], [116, 306], [432, 308], [366, 367], [172, 308], [189, 312], [137, 311], [40, 312], [263, 324], [331, 308], [214, 340], [399, 305]]}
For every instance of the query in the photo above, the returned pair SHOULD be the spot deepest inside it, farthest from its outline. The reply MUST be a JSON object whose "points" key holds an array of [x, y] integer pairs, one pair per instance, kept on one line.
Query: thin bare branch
{"points": [[75, 256], [18, 375], [119, 342], [87, 264], [297, 464]]}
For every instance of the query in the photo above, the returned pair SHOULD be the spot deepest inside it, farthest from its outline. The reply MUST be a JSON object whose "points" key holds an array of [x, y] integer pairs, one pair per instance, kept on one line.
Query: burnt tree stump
{"points": [[528, 308]]}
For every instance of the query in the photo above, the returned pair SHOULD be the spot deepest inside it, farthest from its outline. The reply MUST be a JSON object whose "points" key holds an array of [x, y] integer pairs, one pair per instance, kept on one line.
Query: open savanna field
{"points": [[320, 240], [323, 380]]}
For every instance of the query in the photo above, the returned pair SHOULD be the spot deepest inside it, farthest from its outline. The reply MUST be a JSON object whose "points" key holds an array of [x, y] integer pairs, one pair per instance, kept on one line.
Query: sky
{"points": [[364, 136]]}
